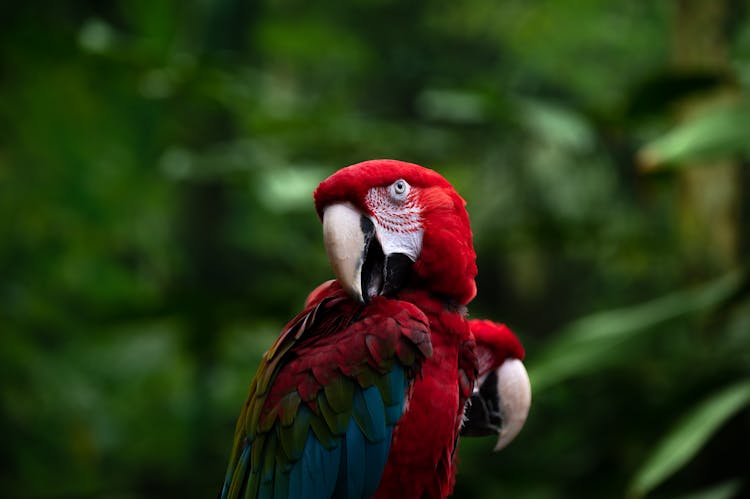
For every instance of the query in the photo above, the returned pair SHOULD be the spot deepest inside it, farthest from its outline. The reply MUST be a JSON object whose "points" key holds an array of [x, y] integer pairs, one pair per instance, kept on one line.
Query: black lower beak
{"points": [[396, 271], [483, 414], [381, 274]]}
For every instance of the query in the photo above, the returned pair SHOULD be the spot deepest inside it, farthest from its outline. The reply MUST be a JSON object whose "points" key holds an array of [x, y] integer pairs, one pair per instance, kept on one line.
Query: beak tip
{"points": [[354, 291], [358, 296]]}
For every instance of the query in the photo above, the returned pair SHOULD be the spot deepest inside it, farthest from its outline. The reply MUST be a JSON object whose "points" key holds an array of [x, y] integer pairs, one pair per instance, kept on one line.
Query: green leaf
{"points": [[719, 133], [557, 124], [591, 342], [684, 441], [724, 490]]}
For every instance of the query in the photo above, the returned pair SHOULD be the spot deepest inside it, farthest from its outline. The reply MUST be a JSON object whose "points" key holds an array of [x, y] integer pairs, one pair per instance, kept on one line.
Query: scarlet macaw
{"points": [[364, 393]]}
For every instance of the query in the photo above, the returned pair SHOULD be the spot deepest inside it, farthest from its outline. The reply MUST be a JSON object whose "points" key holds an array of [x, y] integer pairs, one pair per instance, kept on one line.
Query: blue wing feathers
{"points": [[353, 467], [319, 469], [396, 393], [393, 413], [369, 413], [396, 386], [356, 456], [295, 482], [369, 406], [377, 455]]}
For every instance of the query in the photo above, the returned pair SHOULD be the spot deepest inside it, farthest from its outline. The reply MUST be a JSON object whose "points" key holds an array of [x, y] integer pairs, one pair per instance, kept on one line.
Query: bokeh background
{"points": [[157, 160]]}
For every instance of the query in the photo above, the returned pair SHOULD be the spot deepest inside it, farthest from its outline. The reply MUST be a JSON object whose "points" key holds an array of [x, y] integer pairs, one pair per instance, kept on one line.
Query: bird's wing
{"points": [[321, 410]]}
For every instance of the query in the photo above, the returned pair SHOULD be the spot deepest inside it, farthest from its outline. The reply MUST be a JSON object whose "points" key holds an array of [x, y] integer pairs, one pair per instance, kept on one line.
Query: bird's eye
{"points": [[400, 189]]}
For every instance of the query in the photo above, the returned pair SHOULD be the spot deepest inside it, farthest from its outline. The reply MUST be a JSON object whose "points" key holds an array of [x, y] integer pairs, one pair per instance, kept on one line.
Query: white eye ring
{"points": [[400, 189]]}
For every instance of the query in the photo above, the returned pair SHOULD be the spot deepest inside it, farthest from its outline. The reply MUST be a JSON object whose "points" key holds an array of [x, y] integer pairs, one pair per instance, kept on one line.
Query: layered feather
{"points": [[321, 410]]}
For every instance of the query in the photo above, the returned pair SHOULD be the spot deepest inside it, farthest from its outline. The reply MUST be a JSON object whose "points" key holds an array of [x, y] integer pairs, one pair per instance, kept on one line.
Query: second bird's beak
{"points": [[357, 257], [500, 404]]}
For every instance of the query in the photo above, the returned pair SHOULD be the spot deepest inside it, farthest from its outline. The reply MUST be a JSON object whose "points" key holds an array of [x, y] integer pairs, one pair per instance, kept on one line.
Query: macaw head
{"points": [[387, 223]]}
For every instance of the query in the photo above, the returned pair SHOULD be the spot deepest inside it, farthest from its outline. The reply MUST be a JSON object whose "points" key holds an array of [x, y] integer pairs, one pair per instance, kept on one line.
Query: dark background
{"points": [[157, 160]]}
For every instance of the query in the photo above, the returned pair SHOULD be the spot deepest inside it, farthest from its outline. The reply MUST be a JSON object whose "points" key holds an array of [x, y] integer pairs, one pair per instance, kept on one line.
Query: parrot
{"points": [[367, 391]]}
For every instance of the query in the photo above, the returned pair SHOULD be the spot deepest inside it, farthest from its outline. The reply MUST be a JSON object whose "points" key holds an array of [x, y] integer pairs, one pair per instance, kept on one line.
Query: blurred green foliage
{"points": [[156, 227]]}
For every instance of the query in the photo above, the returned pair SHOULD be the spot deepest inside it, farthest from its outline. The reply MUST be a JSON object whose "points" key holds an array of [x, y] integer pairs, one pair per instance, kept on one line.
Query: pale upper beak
{"points": [[366, 261], [346, 244], [514, 388]]}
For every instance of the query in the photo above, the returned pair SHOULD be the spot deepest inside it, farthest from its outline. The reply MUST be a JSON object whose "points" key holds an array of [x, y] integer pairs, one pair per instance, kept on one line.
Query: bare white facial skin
{"points": [[397, 218]]}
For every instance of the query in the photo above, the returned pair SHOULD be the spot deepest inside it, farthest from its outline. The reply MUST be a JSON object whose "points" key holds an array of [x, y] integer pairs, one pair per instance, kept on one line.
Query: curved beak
{"points": [[514, 389], [356, 254], [346, 244], [500, 405]]}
